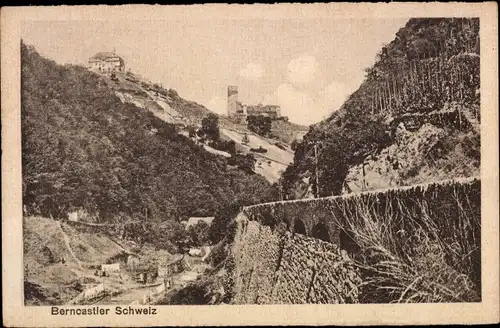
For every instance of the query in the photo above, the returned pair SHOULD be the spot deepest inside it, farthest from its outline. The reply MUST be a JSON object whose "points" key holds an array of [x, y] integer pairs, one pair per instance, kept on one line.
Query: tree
{"points": [[210, 126], [171, 233], [199, 233], [192, 132], [259, 124], [221, 225], [245, 139]]}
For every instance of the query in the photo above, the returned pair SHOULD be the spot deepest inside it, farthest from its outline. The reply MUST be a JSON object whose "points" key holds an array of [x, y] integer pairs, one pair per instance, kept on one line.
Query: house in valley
{"points": [[192, 221]]}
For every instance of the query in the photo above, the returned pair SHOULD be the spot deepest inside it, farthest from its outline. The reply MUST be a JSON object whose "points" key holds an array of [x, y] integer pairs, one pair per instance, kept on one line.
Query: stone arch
{"points": [[269, 220], [299, 227], [320, 231], [348, 244], [286, 220]]}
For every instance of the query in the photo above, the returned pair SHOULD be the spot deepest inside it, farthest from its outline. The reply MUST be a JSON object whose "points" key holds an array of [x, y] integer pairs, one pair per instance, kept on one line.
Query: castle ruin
{"points": [[239, 112]]}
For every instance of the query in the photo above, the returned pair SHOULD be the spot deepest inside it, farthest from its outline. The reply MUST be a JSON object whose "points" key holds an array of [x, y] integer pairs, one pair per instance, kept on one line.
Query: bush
{"points": [[210, 126], [224, 145], [192, 294], [218, 254], [223, 225], [259, 124], [199, 234], [244, 162], [261, 150]]}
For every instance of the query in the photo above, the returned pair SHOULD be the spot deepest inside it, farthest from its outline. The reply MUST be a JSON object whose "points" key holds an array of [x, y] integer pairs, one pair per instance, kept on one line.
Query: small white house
{"points": [[73, 216], [195, 252], [115, 267], [194, 221]]}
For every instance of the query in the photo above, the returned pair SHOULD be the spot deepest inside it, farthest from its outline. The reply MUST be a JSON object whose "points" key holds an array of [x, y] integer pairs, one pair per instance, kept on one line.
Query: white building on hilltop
{"points": [[104, 62]]}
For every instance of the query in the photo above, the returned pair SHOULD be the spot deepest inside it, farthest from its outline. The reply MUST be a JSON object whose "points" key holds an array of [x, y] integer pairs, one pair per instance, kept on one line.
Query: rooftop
{"points": [[194, 220], [105, 55]]}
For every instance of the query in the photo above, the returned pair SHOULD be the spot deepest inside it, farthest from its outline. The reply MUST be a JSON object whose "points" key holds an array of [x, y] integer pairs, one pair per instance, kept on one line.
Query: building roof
{"points": [[262, 108], [194, 220], [105, 56]]}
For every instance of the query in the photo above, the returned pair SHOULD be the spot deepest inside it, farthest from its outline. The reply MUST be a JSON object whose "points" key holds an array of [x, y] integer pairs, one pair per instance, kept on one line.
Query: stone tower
{"points": [[232, 100]]}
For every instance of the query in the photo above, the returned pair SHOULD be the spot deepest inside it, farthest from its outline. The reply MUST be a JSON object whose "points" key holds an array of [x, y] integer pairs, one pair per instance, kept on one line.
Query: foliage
{"points": [[433, 259], [210, 126], [222, 225], [83, 148], [218, 254], [192, 132], [259, 124], [279, 145], [245, 139], [192, 294], [224, 145], [205, 291], [243, 162], [199, 234], [261, 150], [172, 233]]}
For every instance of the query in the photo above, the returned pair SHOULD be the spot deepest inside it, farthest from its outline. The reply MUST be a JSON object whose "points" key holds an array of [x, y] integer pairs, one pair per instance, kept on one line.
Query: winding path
{"points": [[68, 246]]}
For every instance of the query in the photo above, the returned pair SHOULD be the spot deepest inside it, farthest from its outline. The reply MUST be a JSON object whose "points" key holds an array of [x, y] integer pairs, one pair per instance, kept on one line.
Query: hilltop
{"points": [[84, 148], [414, 119]]}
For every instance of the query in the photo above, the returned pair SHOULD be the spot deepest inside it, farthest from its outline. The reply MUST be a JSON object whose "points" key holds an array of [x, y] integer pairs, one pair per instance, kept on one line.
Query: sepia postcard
{"points": [[265, 164]]}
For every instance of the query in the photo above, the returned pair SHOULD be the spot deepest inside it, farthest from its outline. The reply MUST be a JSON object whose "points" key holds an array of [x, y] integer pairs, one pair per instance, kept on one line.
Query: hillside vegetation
{"points": [[84, 148], [426, 78]]}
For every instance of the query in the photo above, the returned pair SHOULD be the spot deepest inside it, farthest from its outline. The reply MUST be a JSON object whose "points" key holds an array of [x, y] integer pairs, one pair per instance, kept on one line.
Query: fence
{"points": [[88, 294]]}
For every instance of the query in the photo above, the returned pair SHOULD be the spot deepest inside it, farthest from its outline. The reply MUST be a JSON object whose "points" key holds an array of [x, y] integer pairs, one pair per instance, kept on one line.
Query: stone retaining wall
{"points": [[273, 267]]}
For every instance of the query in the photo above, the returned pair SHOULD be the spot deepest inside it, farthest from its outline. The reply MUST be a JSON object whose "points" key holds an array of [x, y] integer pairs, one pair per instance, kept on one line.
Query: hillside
{"points": [[170, 107], [60, 259], [57, 259], [82, 147], [414, 119]]}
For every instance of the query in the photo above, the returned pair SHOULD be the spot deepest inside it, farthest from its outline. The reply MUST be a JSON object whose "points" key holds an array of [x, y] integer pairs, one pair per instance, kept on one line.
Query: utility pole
{"points": [[280, 190], [316, 170]]}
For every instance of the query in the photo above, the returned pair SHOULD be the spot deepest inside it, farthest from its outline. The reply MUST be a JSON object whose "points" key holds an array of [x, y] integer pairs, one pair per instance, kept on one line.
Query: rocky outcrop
{"points": [[388, 168]]}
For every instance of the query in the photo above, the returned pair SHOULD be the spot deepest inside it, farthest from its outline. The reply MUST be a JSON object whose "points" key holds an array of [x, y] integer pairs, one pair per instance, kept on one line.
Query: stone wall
{"points": [[300, 251], [449, 203], [275, 267]]}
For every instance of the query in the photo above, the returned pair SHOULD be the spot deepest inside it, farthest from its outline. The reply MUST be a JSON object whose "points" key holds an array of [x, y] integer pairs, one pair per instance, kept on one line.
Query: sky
{"points": [[307, 66]]}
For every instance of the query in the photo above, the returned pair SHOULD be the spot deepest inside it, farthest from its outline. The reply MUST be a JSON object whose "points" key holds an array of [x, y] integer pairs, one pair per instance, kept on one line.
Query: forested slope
{"points": [[422, 92], [83, 148]]}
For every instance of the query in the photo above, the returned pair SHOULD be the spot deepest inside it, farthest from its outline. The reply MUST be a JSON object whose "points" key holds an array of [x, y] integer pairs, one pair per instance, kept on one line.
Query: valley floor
{"points": [[60, 264]]}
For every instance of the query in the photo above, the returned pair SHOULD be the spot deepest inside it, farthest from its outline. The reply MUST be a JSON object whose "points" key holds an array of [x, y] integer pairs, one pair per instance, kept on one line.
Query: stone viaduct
{"points": [[303, 251], [329, 218]]}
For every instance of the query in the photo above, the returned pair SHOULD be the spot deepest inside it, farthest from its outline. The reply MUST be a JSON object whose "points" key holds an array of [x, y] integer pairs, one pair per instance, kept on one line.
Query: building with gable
{"points": [[106, 62]]}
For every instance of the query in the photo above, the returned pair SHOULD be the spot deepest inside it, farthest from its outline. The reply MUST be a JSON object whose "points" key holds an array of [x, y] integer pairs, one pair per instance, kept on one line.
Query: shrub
{"points": [[259, 124], [192, 294], [429, 258], [280, 146], [261, 150]]}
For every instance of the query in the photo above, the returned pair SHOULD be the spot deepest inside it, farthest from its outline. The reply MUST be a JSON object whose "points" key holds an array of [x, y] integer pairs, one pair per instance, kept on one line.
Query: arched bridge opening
{"points": [[269, 220], [299, 227], [320, 231], [348, 243]]}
